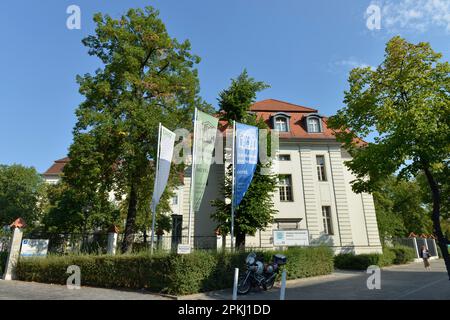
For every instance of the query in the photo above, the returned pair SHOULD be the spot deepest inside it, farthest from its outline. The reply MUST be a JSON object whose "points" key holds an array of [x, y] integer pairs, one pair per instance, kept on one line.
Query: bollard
{"points": [[235, 284], [283, 285]]}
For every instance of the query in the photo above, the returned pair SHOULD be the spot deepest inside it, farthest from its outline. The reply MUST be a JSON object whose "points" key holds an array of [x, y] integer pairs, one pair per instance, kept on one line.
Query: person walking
{"points": [[425, 254]]}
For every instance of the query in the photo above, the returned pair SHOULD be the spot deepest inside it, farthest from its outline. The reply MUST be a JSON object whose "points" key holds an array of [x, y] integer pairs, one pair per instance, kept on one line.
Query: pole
{"points": [[232, 186], [156, 177], [235, 283], [194, 145], [283, 285]]}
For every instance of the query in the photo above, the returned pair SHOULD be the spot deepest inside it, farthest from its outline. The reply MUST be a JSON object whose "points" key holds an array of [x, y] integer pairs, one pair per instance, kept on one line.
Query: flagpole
{"points": [[156, 179], [232, 185], [194, 144]]}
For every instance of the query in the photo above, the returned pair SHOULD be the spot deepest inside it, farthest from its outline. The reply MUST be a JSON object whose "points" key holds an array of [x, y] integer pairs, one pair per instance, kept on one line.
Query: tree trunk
{"points": [[128, 238], [240, 240], [442, 241]]}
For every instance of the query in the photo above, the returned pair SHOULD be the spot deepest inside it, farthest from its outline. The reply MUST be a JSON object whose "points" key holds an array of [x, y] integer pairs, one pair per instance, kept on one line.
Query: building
{"points": [[314, 191]]}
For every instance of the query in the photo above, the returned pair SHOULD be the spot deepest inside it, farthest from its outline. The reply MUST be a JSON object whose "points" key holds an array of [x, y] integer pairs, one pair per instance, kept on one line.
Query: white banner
{"points": [[165, 153]]}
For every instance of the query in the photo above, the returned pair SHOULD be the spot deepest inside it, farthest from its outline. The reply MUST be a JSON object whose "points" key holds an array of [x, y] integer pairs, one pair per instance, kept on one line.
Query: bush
{"points": [[395, 255], [167, 273], [403, 254]]}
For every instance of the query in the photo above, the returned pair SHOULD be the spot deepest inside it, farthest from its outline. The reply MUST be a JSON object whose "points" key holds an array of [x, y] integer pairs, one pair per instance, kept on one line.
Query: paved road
{"points": [[398, 282], [18, 290], [406, 282]]}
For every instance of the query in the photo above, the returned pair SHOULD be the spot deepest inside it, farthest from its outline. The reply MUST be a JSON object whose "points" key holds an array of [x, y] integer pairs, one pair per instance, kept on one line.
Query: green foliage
{"points": [[395, 255], [235, 101], [349, 261], [400, 209], [147, 78], [405, 102], [20, 191], [256, 209], [403, 254], [170, 273], [74, 210]]}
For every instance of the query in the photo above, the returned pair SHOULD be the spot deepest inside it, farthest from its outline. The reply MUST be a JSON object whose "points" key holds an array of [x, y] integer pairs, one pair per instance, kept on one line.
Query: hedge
{"points": [[199, 271], [390, 256]]}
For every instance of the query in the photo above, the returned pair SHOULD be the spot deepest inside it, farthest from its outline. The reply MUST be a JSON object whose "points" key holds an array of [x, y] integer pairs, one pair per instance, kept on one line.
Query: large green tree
{"points": [[405, 103], [400, 209], [20, 192], [256, 211], [147, 77]]}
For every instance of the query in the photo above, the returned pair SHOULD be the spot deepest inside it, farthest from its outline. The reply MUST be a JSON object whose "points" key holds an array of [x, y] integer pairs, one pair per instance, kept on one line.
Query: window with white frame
{"points": [[313, 125], [285, 187], [327, 222], [175, 200], [281, 124], [320, 165], [284, 157]]}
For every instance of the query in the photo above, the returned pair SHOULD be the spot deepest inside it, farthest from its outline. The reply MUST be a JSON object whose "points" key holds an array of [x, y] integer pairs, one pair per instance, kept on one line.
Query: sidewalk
{"points": [[402, 282]]}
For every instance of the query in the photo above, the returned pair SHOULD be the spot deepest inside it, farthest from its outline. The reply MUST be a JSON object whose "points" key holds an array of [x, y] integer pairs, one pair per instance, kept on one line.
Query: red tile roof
{"points": [[57, 167], [277, 105]]}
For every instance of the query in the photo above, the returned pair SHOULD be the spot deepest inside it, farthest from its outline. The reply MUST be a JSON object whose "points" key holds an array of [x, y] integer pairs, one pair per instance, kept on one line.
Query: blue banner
{"points": [[246, 159]]}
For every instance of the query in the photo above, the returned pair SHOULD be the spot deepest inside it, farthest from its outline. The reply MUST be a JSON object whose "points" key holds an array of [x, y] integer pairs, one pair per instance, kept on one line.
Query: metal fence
{"points": [[417, 243], [67, 243]]}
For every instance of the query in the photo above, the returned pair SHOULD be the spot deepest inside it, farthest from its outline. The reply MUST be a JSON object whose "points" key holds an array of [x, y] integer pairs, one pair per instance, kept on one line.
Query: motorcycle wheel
{"points": [[269, 284], [243, 285]]}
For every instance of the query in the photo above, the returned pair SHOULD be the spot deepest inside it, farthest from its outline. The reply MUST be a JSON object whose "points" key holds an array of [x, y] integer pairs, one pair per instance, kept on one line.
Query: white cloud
{"points": [[415, 15], [352, 63]]}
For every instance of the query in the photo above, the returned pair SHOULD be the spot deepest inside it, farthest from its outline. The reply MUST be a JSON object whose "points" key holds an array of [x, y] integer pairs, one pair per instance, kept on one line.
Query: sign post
{"points": [[14, 248]]}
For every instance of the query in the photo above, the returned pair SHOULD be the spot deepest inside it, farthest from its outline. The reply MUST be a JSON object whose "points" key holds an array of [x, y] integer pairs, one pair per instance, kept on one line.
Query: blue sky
{"points": [[303, 49]]}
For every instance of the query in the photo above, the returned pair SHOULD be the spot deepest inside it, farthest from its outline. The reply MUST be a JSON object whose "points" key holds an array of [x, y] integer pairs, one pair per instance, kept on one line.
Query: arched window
{"points": [[281, 124], [314, 125]]}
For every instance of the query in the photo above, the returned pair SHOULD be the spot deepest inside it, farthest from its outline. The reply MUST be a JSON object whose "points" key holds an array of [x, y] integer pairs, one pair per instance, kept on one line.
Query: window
{"points": [[320, 164], [285, 187], [327, 224], [175, 200], [284, 157], [313, 125], [281, 124]]}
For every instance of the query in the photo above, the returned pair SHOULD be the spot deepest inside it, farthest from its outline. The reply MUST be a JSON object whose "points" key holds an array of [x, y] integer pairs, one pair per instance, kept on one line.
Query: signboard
{"points": [[184, 249], [290, 238], [34, 248]]}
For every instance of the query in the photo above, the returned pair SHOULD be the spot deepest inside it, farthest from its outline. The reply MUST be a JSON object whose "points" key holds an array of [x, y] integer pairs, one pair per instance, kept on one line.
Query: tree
{"points": [[66, 211], [148, 77], [20, 191], [400, 209], [256, 209], [406, 103]]}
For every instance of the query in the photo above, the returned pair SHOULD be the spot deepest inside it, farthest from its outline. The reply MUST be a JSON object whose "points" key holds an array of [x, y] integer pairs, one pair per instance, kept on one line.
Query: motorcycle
{"points": [[259, 274]]}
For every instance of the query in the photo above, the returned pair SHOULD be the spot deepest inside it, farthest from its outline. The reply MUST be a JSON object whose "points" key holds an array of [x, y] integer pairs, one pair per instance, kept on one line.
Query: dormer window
{"points": [[281, 122], [314, 124]]}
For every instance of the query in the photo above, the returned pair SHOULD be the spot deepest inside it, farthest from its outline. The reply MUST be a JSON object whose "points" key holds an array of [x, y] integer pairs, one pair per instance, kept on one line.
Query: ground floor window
{"points": [[327, 223]]}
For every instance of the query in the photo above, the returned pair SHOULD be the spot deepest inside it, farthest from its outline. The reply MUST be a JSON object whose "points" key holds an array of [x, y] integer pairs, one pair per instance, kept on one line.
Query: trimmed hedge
{"points": [[390, 256], [403, 254], [167, 273]]}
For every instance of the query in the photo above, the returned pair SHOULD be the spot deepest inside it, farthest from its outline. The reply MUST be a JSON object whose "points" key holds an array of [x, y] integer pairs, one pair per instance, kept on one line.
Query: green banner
{"points": [[205, 130]]}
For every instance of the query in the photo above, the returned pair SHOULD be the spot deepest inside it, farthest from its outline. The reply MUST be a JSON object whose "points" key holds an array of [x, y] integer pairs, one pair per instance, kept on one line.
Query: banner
{"points": [[205, 130], [165, 153], [246, 159]]}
